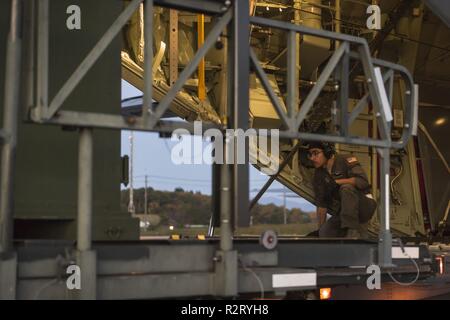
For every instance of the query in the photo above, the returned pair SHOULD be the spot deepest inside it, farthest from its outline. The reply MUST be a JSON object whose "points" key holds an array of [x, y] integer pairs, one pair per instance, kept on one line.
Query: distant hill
{"points": [[180, 208], [291, 203]]}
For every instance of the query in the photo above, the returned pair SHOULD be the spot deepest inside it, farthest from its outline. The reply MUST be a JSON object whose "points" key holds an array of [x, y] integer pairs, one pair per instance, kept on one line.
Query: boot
{"points": [[363, 231], [353, 233]]}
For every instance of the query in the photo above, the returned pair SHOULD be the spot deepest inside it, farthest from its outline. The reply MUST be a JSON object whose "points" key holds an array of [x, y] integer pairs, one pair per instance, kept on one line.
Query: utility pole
{"points": [[131, 208], [145, 197]]}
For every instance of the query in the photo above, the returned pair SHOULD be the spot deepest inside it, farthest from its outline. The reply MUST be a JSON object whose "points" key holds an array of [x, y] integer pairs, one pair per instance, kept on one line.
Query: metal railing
{"points": [[50, 112], [339, 61], [380, 96]]}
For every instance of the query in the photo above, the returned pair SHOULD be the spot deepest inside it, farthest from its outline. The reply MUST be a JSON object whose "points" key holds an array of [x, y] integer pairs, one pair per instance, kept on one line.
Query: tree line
{"points": [[181, 207]]}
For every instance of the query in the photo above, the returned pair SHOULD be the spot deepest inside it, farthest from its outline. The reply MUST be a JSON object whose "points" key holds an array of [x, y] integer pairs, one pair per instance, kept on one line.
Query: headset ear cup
{"points": [[328, 150]]}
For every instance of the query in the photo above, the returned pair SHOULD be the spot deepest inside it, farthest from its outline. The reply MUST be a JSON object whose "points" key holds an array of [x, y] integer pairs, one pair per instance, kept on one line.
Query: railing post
{"points": [[385, 236], [8, 259], [148, 59], [239, 113], [10, 114], [42, 66], [292, 76], [85, 255], [234, 189]]}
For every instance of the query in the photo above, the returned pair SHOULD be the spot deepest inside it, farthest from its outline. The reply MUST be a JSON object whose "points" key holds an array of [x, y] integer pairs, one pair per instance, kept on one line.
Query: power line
{"points": [[184, 179], [171, 178], [176, 183]]}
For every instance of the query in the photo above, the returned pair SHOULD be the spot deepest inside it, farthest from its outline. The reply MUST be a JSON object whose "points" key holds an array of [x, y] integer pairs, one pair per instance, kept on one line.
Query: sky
{"points": [[152, 158]]}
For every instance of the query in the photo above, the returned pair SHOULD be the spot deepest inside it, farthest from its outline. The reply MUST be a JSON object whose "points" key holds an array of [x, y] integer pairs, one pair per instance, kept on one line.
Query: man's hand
{"points": [[351, 181]]}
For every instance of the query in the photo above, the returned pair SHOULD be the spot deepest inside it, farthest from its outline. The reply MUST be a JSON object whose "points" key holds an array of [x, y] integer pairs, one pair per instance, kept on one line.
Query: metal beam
{"points": [[374, 91], [191, 67], [226, 208], [38, 258], [148, 60], [390, 87], [323, 78], [266, 85], [343, 92], [8, 276], [362, 103], [240, 108], [306, 30], [173, 46], [201, 92], [86, 258], [410, 94], [384, 236], [292, 75], [207, 7], [85, 189], [42, 60], [273, 177], [336, 139], [111, 121], [30, 62], [10, 124]]}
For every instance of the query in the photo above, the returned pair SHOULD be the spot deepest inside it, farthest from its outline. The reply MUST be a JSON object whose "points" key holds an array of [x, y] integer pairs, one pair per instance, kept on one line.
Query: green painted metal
{"points": [[46, 165]]}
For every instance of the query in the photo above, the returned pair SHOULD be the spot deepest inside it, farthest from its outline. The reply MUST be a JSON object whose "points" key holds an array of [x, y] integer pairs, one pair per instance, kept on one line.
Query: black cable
{"points": [[402, 247]]}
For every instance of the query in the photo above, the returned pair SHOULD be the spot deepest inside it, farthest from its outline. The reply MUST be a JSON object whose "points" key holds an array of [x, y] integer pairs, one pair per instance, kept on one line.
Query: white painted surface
{"points": [[412, 252], [294, 280]]}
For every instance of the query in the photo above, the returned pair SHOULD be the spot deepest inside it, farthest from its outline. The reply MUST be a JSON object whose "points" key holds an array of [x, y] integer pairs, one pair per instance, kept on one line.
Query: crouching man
{"points": [[341, 187]]}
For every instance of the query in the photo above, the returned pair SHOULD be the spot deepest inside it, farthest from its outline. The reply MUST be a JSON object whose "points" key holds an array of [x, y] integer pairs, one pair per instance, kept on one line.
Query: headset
{"points": [[328, 149]]}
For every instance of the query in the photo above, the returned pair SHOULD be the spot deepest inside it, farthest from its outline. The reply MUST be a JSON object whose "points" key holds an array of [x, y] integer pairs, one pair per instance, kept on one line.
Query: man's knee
{"points": [[349, 206]]}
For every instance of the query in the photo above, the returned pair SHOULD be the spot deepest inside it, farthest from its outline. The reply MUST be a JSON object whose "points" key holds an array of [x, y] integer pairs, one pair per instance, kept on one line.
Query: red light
{"points": [[441, 264], [325, 293]]}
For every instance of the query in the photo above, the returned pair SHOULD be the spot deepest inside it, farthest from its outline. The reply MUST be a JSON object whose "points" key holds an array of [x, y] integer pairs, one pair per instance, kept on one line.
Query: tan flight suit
{"points": [[349, 205]]}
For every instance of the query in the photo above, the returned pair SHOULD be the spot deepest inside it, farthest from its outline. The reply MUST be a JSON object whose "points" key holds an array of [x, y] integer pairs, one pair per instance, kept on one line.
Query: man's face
{"points": [[317, 157]]}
